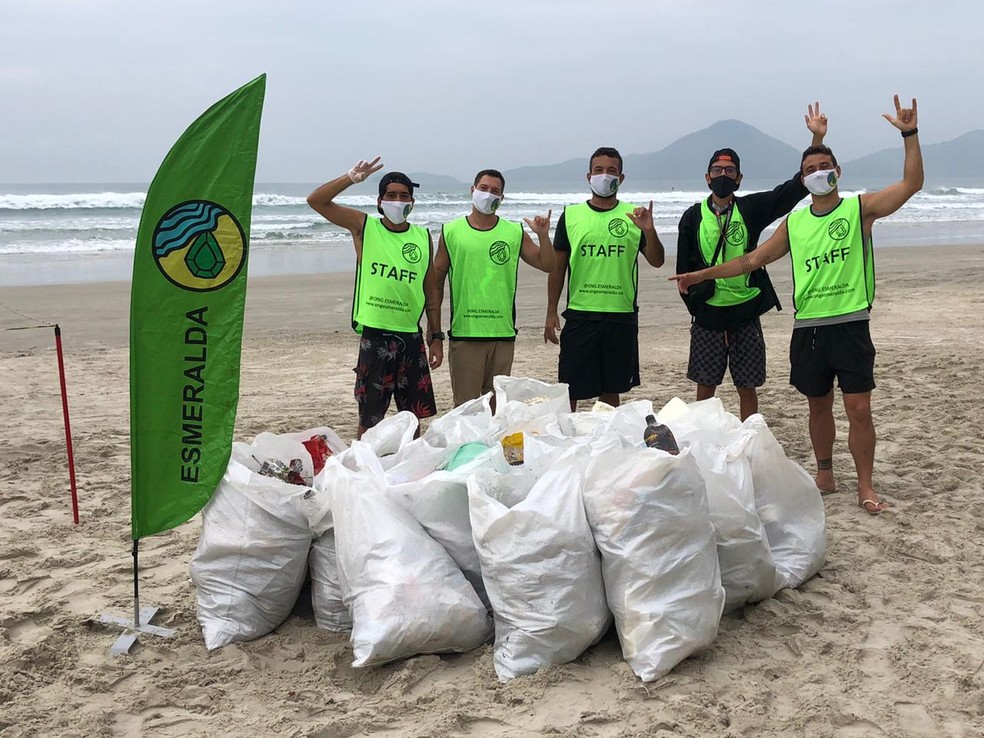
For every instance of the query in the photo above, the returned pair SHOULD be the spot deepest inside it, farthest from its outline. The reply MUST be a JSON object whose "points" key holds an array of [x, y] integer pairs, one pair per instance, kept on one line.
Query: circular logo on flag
{"points": [[839, 229], [617, 227], [499, 252], [199, 246], [411, 252]]}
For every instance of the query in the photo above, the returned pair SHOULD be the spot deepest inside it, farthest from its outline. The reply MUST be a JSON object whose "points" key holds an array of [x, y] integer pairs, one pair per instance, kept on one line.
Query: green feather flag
{"points": [[186, 313]]}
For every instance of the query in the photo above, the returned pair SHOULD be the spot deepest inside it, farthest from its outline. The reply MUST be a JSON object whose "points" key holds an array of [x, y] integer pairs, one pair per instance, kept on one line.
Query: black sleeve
{"points": [[687, 242], [762, 208], [561, 242]]}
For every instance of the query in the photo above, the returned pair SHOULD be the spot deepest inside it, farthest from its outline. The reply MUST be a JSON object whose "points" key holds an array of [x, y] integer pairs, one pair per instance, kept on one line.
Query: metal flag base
{"points": [[125, 642]]}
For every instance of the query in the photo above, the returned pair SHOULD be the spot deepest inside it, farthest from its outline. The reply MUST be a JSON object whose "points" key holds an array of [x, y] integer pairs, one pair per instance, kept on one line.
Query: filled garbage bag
{"points": [[648, 512], [541, 567]]}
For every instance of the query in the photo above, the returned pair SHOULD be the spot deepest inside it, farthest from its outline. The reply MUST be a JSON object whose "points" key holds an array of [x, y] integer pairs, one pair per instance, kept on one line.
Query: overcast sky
{"points": [[98, 91]]}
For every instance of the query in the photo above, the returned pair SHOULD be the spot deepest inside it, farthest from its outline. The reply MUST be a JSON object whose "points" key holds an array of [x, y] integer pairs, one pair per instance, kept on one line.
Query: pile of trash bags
{"points": [[530, 524]]}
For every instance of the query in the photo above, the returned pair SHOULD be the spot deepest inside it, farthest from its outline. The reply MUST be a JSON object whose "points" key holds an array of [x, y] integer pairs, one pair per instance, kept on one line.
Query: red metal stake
{"points": [[68, 427]]}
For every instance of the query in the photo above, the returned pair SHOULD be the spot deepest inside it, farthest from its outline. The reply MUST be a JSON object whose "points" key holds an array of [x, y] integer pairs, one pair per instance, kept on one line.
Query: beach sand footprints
{"points": [[914, 719]]}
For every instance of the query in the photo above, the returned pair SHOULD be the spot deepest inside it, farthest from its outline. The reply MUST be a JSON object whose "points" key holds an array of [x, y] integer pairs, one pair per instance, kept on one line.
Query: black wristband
{"points": [[913, 132]]}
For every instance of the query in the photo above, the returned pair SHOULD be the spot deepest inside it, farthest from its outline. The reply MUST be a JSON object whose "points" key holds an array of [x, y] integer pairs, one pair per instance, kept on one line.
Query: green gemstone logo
{"points": [[411, 252], [199, 246], [499, 252], [736, 234], [839, 229], [618, 227]]}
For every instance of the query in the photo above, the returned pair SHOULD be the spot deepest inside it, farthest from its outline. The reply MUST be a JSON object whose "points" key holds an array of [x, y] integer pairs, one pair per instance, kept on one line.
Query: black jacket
{"points": [[758, 211]]}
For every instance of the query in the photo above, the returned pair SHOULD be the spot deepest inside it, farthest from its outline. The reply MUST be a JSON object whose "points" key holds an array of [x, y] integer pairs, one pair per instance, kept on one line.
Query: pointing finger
{"points": [[898, 105]]}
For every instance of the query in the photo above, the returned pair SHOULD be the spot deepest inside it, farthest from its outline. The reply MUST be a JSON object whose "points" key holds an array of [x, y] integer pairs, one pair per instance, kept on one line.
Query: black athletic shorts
{"points": [[742, 349], [392, 364], [844, 350], [598, 357]]}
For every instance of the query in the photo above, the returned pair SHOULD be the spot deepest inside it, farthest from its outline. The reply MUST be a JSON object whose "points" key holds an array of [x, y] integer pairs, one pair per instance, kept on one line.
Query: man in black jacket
{"points": [[726, 329]]}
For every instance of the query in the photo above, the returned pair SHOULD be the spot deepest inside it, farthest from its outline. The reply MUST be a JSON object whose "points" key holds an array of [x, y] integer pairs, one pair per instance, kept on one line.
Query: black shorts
{"points": [[598, 357], [844, 350], [392, 364], [741, 348]]}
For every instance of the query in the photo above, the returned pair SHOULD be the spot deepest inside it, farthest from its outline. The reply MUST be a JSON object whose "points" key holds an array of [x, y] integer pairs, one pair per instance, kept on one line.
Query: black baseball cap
{"points": [[726, 154], [398, 178]]}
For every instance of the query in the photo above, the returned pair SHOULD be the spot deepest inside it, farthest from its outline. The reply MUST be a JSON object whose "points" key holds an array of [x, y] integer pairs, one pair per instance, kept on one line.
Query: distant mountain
{"points": [[763, 158], [961, 157], [431, 183]]}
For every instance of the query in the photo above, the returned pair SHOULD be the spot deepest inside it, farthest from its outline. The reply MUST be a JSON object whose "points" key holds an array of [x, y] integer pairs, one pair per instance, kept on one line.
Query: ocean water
{"points": [[54, 234]]}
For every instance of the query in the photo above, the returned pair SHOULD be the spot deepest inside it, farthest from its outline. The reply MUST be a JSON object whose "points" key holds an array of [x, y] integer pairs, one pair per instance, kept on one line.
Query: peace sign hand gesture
{"points": [[905, 118], [816, 121], [540, 225], [643, 217], [363, 169]]}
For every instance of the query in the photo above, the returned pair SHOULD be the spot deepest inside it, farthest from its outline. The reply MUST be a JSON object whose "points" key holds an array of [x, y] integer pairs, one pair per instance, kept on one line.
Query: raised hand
{"points": [[363, 169], [815, 120], [540, 225], [904, 118], [643, 217]]}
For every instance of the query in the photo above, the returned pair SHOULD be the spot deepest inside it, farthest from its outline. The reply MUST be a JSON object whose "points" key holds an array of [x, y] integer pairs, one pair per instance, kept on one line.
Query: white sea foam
{"points": [[47, 223]]}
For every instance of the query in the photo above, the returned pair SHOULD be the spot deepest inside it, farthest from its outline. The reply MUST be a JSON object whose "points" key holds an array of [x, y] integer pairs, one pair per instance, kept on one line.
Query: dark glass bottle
{"points": [[658, 435]]}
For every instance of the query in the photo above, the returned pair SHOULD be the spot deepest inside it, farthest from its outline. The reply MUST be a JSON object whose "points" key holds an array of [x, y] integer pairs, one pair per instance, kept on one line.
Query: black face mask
{"points": [[723, 185]]}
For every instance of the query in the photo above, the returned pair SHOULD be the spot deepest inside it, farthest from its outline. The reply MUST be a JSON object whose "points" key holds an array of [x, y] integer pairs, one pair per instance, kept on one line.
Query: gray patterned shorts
{"points": [[742, 349]]}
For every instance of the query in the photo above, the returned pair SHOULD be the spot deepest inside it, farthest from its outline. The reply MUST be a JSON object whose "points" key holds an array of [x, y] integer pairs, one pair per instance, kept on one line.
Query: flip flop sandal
{"points": [[872, 507]]}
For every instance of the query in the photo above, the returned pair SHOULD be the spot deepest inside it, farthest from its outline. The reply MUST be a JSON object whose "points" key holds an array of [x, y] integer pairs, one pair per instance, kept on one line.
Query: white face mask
{"points": [[821, 182], [395, 211], [604, 185], [486, 202]]}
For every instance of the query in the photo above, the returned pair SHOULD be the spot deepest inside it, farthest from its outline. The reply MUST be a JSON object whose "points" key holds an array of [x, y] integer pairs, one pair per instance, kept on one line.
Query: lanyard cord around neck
{"points": [[724, 232]]}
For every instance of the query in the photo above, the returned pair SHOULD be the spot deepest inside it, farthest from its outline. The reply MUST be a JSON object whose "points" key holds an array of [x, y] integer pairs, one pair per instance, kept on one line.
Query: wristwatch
{"points": [[437, 336]]}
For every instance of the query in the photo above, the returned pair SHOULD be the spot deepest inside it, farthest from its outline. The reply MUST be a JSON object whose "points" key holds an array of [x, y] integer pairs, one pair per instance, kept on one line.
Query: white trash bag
{"points": [[789, 505], [405, 594], [329, 609], [391, 434], [520, 400], [415, 461], [541, 567], [252, 555], [469, 422], [748, 571], [439, 502], [648, 511]]}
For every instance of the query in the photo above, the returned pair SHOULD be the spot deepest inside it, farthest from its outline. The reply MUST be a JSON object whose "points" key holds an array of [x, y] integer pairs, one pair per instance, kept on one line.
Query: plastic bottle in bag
{"points": [[659, 436]]}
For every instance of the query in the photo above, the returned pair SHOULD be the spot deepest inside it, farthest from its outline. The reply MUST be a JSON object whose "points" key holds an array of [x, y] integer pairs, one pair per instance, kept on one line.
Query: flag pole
{"points": [[136, 583], [68, 425]]}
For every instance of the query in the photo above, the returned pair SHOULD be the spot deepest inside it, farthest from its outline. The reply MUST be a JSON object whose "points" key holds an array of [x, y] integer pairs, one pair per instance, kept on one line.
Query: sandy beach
{"points": [[887, 641]]}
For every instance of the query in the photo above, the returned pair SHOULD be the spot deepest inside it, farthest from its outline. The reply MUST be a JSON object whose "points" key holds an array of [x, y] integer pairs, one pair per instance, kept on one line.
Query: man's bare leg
{"points": [[822, 434], [861, 441], [705, 391], [610, 398], [748, 401]]}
